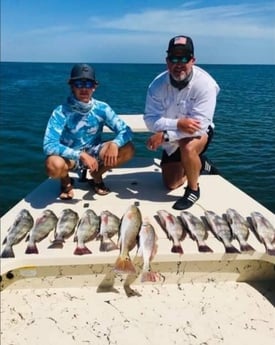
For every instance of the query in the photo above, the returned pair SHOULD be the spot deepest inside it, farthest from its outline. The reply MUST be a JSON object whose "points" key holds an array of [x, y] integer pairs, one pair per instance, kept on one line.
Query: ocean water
{"points": [[243, 148]]}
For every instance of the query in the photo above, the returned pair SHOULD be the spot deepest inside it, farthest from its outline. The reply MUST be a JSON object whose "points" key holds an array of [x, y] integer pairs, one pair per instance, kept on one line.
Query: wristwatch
{"points": [[165, 136]]}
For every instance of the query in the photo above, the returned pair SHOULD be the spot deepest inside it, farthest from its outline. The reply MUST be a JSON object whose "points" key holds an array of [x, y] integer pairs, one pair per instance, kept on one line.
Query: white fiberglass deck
{"points": [[56, 297]]}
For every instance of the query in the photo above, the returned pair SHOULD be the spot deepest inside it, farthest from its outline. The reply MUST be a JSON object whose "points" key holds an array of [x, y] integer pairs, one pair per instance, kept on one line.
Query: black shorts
{"points": [[175, 157]]}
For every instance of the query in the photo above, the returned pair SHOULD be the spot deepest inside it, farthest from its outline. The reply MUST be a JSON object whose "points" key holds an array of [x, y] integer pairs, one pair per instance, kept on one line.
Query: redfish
{"points": [[128, 233], [147, 249]]}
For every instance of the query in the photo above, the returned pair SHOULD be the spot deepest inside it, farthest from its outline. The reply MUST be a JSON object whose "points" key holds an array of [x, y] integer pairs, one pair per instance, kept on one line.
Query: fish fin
{"points": [[32, 249], [177, 249], [56, 244], [82, 251], [247, 248], [7, 252], [5, 240], [231, 249], [139, 252], [203, 248], [107, 246], [124, 265], [270, 251], [149, 276]]}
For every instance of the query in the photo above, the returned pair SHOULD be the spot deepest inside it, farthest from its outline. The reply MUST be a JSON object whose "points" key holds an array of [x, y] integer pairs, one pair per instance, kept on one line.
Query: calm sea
{"points": [[243, 148]]}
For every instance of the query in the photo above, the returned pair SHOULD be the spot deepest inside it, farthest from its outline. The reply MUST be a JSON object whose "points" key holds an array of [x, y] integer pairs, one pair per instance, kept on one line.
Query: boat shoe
{"points": [[188, 199]]}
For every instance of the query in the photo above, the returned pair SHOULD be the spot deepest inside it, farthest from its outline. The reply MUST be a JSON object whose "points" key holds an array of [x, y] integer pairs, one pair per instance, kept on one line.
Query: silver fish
{"points": [[87, 230], [109, 226], [19, 229], [265, 231], [221, 230], [65, 227], [43, 226], [196, 229], [240, 228], [147, 249], [128, 232], [174, 229]]}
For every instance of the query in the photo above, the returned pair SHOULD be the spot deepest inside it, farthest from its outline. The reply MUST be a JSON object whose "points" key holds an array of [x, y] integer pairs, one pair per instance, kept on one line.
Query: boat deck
{"points": [[200, 298]]}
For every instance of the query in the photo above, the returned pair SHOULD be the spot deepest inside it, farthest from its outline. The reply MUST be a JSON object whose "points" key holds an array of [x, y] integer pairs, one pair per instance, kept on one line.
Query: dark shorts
{"points": [[175, 157]]}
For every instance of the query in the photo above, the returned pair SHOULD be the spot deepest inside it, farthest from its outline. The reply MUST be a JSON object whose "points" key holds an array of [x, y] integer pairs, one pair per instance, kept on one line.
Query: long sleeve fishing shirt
{"points": [[70, 131], [165, 104]]}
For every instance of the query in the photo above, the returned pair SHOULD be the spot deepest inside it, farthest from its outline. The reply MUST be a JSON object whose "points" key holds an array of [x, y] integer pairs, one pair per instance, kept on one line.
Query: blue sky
{"points": [[225, 32]]}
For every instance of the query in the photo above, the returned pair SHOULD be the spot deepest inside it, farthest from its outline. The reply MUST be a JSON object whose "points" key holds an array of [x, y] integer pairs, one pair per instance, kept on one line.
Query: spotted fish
{"points": [[196, 229], [221, 230]]}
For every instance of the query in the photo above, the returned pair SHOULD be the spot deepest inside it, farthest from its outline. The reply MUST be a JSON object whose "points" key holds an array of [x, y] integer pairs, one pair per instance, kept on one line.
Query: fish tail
{"points": [[7, 252], [149, 276], [231, 249], [56, 244], [107, 246], [270, 251], [177, 249], [124, 265], [82, 250], [32, 249], [204, 248], [247, 248]]}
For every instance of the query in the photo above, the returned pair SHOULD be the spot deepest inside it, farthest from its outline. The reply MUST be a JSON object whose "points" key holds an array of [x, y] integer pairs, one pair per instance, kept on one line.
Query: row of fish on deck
{"points": [[133, 231]]}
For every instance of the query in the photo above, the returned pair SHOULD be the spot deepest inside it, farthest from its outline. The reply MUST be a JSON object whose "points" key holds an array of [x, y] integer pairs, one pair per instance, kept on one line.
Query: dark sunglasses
{"points": [[81, 84], [177, 59]]}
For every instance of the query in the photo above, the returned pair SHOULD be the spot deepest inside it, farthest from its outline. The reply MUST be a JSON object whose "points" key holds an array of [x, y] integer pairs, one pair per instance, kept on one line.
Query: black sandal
{"points": [[100, 188], [67, 190]]}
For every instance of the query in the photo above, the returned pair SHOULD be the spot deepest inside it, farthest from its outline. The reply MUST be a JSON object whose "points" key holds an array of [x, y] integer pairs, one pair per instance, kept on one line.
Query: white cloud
{"points": [[227, 21]]}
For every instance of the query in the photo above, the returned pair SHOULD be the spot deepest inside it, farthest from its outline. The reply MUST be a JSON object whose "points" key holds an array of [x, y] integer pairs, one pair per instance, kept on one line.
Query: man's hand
{"points": [[155, 141], [188, 125]]}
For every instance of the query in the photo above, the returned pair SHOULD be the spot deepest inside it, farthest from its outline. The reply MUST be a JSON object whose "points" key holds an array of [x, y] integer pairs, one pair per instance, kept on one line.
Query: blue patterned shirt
{"points": [[71, 130]]}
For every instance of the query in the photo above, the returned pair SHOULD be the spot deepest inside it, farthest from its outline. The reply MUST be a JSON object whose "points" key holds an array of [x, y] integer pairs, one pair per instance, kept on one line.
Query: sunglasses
{"points": [[177, 59], [80, 84]]}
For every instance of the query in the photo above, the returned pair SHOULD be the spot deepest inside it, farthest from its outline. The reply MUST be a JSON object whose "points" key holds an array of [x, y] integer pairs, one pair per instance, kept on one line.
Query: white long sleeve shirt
{"points": [[166, 104]]}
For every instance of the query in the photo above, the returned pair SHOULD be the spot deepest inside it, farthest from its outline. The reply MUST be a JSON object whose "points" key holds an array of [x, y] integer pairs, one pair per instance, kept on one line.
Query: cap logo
{"points": [[180, 40]]}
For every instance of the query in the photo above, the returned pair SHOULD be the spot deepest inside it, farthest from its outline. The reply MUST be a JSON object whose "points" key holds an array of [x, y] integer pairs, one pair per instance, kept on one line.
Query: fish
{"points": [[196, 229], [147, 249], [173, 228], [87, 230], [265, 231], [65, 227], [44, 224], [221, 230], [128, 233], [17, 231], [109, 226], [240, 228]]}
